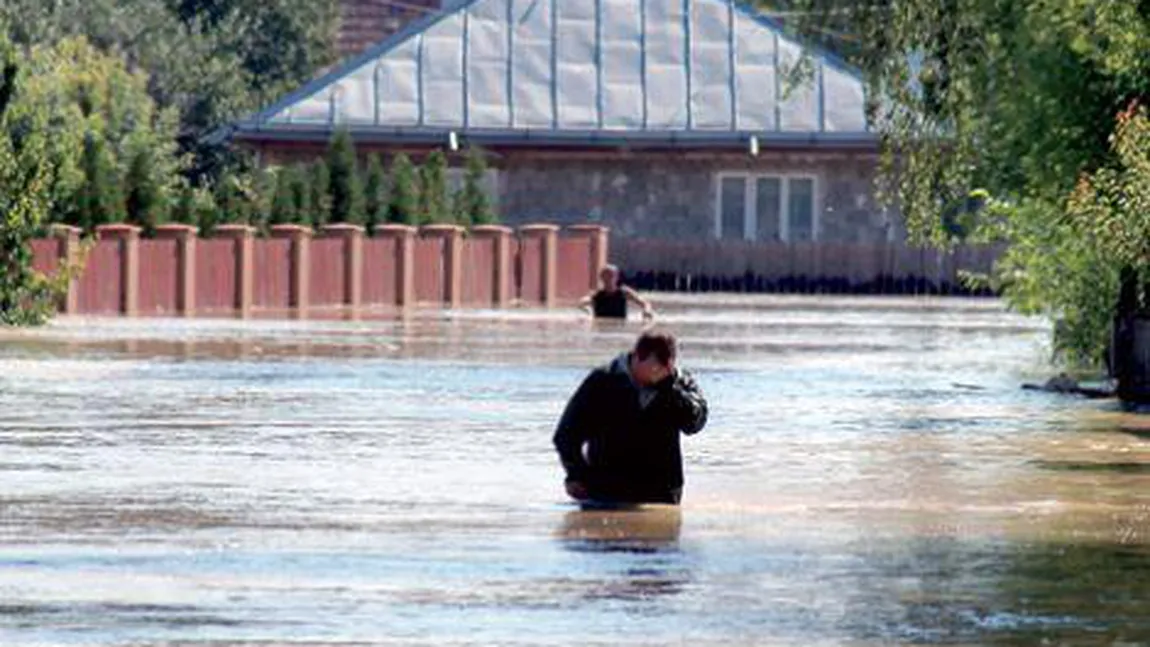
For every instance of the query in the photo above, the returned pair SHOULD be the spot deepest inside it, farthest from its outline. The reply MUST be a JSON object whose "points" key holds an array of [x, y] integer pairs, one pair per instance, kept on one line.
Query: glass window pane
{"points": [[732, 207], [768, 208], [801, 209]]}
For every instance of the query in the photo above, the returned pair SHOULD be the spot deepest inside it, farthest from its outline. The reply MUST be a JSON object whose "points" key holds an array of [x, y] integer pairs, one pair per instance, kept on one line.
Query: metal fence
{"points": [[806, 268]]}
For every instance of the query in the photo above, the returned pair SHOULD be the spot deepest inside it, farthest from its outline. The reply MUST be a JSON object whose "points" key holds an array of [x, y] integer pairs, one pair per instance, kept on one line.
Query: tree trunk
{"points": [[1130, 342]]}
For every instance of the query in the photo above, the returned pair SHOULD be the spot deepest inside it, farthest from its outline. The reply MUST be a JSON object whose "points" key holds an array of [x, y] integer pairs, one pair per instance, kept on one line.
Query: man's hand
{"points": [[671, 382], [685, 381], [685, 400], [645, 305], [576, 490]]}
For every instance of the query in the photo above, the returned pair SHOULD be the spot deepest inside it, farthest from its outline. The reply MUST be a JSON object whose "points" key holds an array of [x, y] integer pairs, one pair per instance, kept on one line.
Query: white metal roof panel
{"points": [[616, 66]]}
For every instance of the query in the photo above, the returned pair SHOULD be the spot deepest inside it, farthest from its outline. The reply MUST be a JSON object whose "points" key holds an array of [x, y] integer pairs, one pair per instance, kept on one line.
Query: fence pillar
{"points": [[452, 236], [243, 235], [298, 284], [129, 238], [548, 236], [185, 237], [597, 236], [404, 237], [68, 238], [500, 238], [352, 236]]}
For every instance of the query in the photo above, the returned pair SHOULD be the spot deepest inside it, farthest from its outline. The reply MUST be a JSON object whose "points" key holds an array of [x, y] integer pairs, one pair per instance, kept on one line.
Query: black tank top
{"points": [[610, 305]]}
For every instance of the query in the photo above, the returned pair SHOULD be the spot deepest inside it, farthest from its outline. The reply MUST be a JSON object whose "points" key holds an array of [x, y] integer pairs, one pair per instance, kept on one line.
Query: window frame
{"points": [[750, 203]]}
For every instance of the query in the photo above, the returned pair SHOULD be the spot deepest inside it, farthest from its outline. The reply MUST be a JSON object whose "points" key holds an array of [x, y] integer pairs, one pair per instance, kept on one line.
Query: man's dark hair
{"points": [[658, 343]]}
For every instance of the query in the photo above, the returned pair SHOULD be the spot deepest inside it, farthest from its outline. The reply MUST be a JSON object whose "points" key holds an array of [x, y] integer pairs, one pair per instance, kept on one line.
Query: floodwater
{"points": [[871, 474]]}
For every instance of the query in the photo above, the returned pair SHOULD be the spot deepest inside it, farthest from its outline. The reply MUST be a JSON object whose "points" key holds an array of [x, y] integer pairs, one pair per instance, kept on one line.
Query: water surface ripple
{"points": [[871, 475]]}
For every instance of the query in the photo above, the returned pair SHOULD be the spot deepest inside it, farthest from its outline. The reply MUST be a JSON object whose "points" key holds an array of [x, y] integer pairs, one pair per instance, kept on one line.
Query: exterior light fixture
{"points": [[453, 141], [753, 146]]}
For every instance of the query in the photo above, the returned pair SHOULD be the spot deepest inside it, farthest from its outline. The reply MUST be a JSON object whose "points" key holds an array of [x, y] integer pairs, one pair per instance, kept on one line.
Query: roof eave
{"points": [[549, 138]]}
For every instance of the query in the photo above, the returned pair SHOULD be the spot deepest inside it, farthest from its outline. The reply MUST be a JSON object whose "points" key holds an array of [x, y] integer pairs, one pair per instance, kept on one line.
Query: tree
{"points": [[299, 191], [375, 193], [99, 200], [1014, 101], [403, 198], [284, 209], [89, 95], [433, 190], [260, 191], [25, 180], [145, 201], [184, 210], [346, 189], [211, 61], [277, 43], [196, 207], [471, 204], [233, 201], [1109, 226], [210, 214], [207, 213], [319, 194]]}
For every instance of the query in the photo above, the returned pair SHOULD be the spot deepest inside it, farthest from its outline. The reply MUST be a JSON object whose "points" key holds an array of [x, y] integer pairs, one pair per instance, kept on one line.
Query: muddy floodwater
{"points": [[871, 474]]}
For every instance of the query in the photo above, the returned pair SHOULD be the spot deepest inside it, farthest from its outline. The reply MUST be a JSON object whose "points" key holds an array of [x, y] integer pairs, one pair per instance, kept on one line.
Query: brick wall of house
{"points": [[364, 23], [668, 195], [673, 195]]}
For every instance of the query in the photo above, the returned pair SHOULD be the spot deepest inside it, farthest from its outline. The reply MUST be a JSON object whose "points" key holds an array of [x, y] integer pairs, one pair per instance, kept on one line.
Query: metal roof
{"points": [[686, 71]]}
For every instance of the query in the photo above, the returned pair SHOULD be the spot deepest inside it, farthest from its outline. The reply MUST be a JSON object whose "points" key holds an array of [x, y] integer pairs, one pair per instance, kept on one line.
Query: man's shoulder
{"points": [[604, 374], [599, 373]]}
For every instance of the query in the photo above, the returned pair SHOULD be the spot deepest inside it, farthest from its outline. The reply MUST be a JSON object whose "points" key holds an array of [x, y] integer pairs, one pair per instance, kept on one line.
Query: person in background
{"points": [[618, 438], [610, 300]]}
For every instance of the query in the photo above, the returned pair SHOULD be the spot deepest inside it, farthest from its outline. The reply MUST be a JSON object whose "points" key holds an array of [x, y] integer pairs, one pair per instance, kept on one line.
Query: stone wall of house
{"points": [[673, 195]]}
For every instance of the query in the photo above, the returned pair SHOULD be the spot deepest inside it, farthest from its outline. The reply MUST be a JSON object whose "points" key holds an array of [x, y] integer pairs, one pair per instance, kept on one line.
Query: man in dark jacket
{"points": [[618, 439]]}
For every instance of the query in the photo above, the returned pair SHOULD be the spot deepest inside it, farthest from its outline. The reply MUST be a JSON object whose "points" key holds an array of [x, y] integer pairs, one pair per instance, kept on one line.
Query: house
{"points": [[663, 119]]}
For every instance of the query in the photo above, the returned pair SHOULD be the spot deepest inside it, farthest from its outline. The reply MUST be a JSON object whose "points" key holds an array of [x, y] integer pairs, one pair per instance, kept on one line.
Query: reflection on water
{"points": [[651, 531], [871, 475], [648, 528]]}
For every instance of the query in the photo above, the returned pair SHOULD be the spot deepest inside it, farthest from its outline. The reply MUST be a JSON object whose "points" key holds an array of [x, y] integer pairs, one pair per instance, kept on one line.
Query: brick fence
{"points": [[298, 273]]}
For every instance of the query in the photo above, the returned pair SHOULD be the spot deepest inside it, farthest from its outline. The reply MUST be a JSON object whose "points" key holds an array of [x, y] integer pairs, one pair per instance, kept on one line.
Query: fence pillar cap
{"points": [[235, 230], [491, 230], [176, 230], [538, 228], [588, 228], [117, 230], [290, 231], [440, 229], [63, 231], [395, 229], [342, 229]]}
